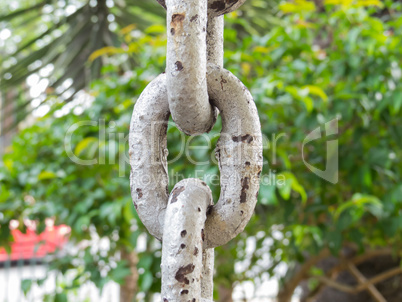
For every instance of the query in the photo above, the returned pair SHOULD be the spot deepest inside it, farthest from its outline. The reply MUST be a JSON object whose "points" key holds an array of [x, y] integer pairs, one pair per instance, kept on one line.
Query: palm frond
{"points": [[70, 42]]}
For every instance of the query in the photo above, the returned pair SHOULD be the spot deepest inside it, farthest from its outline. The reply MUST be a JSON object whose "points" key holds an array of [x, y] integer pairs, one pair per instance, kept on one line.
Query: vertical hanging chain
{"points": [[186, 66], [193, 89]]}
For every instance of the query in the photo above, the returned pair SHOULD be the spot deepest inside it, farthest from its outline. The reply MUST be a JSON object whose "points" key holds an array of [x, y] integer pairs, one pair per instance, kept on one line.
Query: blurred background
{"points": [[69, 232]]}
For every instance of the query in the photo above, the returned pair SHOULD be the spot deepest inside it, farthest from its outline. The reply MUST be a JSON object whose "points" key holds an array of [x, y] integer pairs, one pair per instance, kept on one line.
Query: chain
{"points": [[193, 89], [186, 66]]}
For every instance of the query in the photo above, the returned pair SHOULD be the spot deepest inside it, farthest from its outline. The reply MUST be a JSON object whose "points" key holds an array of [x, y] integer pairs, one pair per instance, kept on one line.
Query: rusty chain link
{"points": [[193, 89]]}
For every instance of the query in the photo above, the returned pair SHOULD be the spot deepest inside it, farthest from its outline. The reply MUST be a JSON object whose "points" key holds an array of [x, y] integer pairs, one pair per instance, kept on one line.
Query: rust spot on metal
{"points": [[176, 24], [202, 235], [164, 128], [194, 18], [223, 81], [183, 271], [244, 188], [209, 209], [183, 233], [218, 153], [184, 292], [243, 197], [179, 66], [195, 251], [175, 193], [218, 6], [139, 193], [177, 19], [222, 6], [162, 2], [243, 138]]}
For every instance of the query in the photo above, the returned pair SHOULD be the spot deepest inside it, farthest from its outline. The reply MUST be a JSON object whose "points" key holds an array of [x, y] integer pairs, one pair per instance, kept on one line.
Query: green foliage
{"points": [[315, 64], [62, 35], [343, 62], [39, 179]]}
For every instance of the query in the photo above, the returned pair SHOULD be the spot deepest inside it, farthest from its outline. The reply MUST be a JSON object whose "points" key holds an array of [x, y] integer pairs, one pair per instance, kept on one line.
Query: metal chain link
{"points": [[186, 66], [193, 89]]}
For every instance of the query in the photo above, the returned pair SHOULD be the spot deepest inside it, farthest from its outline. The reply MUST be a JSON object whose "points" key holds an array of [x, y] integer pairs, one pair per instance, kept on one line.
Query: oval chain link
{"points": [[193, 89]]}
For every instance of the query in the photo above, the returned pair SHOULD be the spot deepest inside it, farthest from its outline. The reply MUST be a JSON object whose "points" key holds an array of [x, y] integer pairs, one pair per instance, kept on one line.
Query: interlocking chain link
{"points": [[193, 89]]}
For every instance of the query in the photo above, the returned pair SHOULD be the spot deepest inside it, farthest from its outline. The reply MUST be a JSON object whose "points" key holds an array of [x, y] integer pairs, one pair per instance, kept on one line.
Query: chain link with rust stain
{"points": [[193, 89]]}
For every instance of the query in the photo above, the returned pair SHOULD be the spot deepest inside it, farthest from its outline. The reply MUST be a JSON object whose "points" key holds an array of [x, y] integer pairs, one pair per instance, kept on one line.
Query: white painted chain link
{"points": [[193, 89]]}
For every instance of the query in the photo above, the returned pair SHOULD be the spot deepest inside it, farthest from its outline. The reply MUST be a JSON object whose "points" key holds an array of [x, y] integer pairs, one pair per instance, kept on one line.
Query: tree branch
{"points": [[362, 280], [339, 286], [285, 294], [343, 264], [381, 277]]}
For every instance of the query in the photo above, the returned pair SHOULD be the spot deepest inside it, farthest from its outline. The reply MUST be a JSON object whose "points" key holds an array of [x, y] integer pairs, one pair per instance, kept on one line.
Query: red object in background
{"points": [[32, 245]]}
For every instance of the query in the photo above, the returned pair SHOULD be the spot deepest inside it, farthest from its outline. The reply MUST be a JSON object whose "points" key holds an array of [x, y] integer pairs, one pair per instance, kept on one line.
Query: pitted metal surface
{"points": [[193, 89], [238, 151]]}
